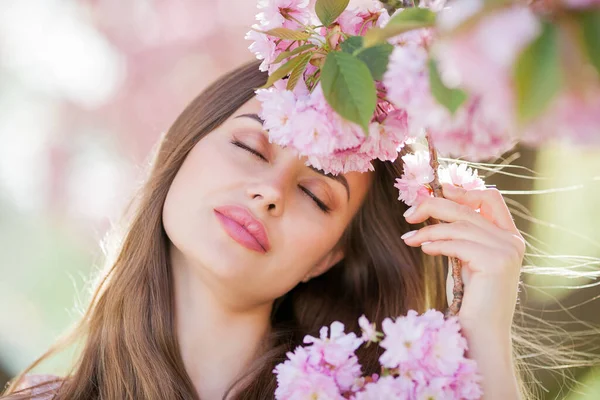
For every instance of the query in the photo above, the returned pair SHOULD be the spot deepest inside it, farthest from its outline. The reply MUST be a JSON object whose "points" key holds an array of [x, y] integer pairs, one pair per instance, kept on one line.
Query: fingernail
{"points": [[424, 243], [410, 211], [408, 234]]}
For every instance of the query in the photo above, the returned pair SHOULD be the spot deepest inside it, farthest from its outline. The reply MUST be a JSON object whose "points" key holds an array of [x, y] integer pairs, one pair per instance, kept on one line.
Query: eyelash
{"points": [[316, 200]]}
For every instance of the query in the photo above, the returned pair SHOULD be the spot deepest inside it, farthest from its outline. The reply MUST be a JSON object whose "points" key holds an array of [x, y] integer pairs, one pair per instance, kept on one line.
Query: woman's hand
{"points": [[491, 250], [488, 244]]}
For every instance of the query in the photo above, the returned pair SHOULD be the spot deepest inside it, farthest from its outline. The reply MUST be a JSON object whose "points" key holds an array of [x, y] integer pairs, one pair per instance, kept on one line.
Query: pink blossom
{"points": [[336, 354], [297, 379], [403, 340], [271, 15], [437, 388], [357, 20], [423, 358], [489, 48], [447, 347], [385, 388], [467, 381], [460, 175], [571, 117], [476, 132], [263, 47], [342, 163], [336, 347], [386, 138], [413, 185], [368, 330], [407, 83], [305, 122], [481, 59], [311, 386]]}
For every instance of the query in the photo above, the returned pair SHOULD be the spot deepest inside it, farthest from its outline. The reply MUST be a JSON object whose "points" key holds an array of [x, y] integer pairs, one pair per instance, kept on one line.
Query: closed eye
{"points": [[250, 149], [307, 192]]}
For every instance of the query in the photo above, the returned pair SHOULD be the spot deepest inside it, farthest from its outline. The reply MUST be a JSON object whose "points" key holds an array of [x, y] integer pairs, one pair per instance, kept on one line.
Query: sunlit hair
{"points": [[129, 348]]}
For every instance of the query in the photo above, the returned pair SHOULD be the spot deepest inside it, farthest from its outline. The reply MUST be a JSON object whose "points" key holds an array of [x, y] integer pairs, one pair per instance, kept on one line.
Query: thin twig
{"points": [[436, 187]]}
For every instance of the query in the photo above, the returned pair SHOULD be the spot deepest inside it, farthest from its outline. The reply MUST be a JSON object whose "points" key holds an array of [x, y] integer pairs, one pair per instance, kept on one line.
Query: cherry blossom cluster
{"points": [[417, 175], [301, 118], [478, 61], [423, 357]]}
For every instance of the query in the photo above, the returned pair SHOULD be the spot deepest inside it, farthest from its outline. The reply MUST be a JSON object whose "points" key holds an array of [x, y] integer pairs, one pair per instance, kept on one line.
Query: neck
{"points": [[217, 340]]}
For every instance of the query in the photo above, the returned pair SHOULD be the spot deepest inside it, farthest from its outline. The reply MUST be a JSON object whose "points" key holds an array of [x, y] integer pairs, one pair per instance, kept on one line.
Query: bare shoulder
{"points": [[39, 386]]}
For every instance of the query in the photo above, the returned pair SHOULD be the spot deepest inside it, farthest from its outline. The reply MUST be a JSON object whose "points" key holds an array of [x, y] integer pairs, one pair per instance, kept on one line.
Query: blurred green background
{"points": [[87, 87]]}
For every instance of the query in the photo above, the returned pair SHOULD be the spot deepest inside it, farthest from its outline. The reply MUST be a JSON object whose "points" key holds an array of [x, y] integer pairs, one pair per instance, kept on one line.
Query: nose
{"points": [[267, 195]]}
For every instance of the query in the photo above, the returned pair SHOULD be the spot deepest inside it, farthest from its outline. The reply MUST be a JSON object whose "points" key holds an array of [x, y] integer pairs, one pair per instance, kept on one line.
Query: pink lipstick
{"points": [[242, 227]]}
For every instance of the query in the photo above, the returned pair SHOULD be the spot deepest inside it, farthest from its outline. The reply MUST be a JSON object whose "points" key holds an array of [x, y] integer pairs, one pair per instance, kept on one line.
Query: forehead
{"points": [[252, 106]]}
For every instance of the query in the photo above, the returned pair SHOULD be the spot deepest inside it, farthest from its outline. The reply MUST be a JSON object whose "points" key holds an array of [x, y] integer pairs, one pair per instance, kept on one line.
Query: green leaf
{"points": [[348, 87], [298, 70], [329, 10], [537, 74], [286, 54], [286, 34], [450, 98], [376, 58], [282, 71], [589, 22], [352, 44], [404, 21]]}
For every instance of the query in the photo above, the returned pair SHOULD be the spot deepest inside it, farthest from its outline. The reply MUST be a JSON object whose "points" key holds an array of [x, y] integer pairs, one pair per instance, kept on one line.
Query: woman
{"points": [[194, 307]]}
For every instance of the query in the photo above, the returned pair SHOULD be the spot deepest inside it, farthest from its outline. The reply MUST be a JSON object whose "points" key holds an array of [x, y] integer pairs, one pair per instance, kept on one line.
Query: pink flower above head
{"points": [[357, 20], [407, 83], [273, 13], [277, 109], [480, 59], [342, 163], [571, 117], [386, 138], [263, 47], [476, 132]]}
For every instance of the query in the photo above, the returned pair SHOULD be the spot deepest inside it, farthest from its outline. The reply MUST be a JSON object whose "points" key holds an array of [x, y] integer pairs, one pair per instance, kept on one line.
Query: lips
{"points": [[241, 225]]}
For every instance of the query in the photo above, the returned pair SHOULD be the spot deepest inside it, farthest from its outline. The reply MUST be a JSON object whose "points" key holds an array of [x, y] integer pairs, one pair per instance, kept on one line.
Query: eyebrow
{"points": [[339, 178]]}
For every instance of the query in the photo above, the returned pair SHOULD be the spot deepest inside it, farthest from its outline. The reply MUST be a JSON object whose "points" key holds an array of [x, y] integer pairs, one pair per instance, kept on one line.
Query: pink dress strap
{"points": [[44, 392]]}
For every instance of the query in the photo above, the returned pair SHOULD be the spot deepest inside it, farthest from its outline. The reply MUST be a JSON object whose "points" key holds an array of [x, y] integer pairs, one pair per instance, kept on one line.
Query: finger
{"points": [[478, 258], [461, 230], [446, 210], [489, 201]]}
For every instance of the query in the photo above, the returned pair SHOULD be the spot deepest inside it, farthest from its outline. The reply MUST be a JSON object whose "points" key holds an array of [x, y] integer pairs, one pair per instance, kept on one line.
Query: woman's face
{"points": [[233, 182]]}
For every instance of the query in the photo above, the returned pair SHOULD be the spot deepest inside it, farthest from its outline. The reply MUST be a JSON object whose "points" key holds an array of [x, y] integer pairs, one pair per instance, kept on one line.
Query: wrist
{"points": [[492, 351]]}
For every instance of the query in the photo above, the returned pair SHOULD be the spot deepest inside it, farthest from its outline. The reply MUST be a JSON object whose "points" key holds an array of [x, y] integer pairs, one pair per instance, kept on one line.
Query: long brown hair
{"points": [[129, 346]]}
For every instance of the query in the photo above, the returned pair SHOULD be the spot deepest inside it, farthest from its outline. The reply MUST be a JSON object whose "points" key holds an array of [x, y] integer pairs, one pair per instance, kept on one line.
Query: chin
{"points": [[224, 258]]}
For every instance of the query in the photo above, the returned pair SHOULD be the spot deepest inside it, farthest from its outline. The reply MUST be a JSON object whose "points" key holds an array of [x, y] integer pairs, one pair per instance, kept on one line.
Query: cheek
{"points": [[307, 242], [186, 207]]}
